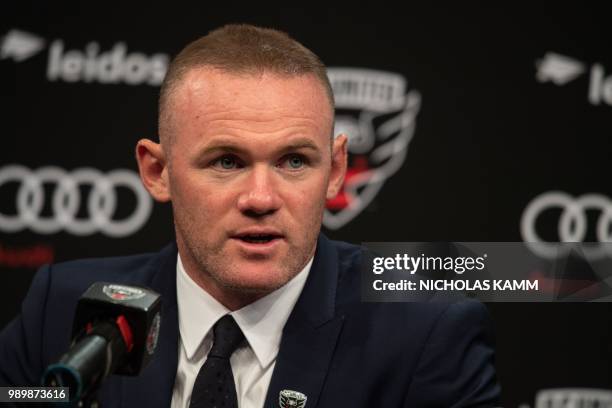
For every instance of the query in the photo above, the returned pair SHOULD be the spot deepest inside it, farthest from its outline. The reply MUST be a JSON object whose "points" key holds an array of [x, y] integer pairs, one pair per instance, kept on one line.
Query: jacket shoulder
{"points": [[349, 255], [133, 269]]}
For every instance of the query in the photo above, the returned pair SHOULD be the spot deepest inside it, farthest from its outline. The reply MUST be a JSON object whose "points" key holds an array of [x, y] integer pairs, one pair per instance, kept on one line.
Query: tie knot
{"points": [[227, 336]]}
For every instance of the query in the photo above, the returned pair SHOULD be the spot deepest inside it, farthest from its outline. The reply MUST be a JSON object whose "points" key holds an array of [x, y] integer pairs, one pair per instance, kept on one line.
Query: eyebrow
{"points": [[230, 146], [301, 143]]}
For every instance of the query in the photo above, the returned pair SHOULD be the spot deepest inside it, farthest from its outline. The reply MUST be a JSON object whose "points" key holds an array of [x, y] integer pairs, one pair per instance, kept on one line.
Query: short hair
{"points": [[240, 49]]}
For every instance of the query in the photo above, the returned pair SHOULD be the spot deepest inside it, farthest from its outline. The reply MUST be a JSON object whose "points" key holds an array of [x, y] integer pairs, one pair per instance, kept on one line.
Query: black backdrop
{"points": [[514, 104]]}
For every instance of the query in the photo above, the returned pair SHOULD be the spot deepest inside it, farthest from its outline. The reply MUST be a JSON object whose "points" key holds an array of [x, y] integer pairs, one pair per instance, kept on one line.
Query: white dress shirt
{"points": [[261, 322]]}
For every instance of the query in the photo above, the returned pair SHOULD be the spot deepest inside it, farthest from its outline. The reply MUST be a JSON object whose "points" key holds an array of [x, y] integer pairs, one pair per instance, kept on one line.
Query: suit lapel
{"points": [[153, 387], [310, 335]]}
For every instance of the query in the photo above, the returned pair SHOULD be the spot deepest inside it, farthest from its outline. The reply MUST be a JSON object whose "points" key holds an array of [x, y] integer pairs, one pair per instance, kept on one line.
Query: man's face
{"points": [[248, 174]]}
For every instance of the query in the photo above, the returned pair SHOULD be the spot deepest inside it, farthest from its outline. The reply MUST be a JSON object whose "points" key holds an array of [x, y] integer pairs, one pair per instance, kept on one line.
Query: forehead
{"points": [[209, 94]]}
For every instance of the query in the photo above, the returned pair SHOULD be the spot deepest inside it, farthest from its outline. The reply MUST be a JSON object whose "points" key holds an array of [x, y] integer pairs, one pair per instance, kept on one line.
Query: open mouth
{"points": [[262, 236], [258, 238]]}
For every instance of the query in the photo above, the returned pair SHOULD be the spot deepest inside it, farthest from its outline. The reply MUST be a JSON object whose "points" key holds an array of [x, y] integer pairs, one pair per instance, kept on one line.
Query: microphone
{"points": [[115, 331]]}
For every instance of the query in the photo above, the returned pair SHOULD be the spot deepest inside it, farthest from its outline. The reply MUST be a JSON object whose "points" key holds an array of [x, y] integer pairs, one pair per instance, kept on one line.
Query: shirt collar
{"points": [[262, 321]]}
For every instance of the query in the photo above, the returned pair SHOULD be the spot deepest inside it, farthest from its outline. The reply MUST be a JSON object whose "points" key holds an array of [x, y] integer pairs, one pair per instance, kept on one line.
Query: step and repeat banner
{"points": [[472, 126]]}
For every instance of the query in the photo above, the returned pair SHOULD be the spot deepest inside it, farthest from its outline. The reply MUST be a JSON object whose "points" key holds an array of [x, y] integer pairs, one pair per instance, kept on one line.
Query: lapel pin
{"points": [[291, 399]]}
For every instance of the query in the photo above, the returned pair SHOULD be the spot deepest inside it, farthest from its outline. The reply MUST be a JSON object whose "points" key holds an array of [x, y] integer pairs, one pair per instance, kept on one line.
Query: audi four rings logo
{"points": [[66, 201], [572, 225]]}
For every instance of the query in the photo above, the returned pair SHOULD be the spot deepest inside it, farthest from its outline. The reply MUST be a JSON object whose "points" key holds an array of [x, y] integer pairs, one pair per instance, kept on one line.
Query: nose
{"points": [[260, 193]]}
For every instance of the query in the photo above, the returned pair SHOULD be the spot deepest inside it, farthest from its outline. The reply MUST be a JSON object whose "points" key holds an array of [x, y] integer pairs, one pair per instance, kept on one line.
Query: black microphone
{"points": [[115, 331]]}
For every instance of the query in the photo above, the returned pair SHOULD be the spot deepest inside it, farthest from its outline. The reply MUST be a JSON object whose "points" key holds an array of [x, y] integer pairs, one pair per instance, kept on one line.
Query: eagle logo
{"points": [[375, 111]]}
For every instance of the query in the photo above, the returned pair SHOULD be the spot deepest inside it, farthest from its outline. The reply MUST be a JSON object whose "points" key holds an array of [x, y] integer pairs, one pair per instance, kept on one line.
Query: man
{"points": [[247, 157]]}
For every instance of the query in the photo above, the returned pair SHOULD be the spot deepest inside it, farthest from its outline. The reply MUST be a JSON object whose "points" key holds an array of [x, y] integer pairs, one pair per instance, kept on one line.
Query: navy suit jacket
{"points": [[335, 349]]}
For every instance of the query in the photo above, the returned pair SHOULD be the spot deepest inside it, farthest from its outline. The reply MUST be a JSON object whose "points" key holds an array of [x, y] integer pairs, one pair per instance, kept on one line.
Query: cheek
{"points": [[203, 200], [308, 198]]}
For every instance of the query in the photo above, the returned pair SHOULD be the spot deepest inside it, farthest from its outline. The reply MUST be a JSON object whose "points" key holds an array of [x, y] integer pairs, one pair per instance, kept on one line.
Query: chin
{"points": [[254, 287], [256, 280]]}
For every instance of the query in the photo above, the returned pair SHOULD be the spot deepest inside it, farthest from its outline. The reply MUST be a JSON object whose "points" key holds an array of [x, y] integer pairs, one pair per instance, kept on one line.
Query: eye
{"points": [[226, 163], [295, 161]]}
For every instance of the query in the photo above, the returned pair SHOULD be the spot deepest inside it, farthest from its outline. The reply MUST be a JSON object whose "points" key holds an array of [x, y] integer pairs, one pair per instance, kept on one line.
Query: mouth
{"points": [[258, 238]]}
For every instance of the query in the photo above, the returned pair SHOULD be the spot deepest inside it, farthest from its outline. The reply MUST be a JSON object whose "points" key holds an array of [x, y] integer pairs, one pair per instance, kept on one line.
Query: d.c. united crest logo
{"points": [[291, 399], [122, 293], [375, 111]]}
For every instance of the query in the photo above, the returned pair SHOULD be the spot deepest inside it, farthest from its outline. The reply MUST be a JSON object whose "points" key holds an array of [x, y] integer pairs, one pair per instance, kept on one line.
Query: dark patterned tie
{"points": [[214, 386]]}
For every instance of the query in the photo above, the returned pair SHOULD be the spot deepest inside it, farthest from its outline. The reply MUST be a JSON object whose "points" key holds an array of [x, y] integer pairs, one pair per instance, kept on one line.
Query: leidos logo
{"points": [[92, 64], [109, 67], [374, 109], [19, 45], [560, 69]]}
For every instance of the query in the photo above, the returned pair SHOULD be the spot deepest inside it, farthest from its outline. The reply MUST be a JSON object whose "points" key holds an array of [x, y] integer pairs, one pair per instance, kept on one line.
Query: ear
{"points": [[338, 166], [153, 169]]}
